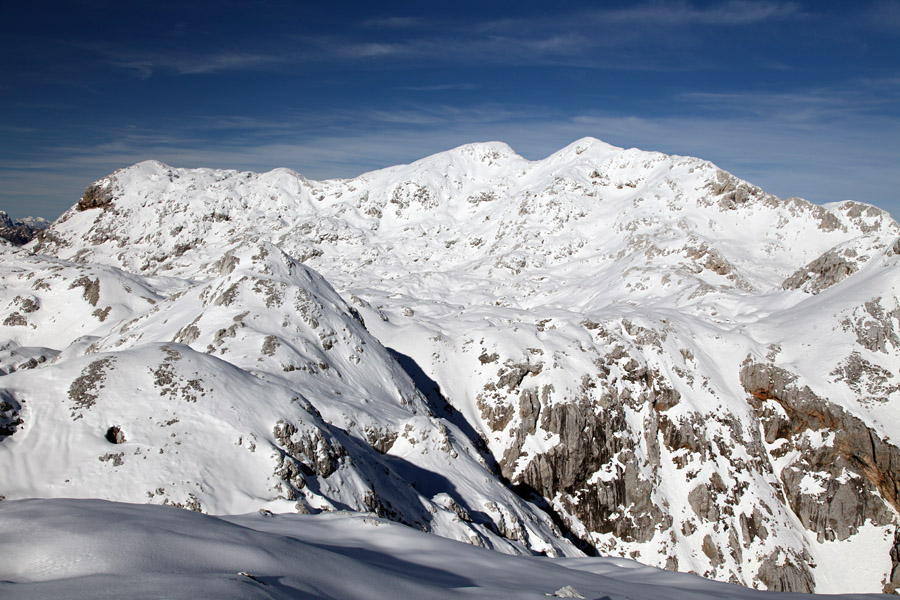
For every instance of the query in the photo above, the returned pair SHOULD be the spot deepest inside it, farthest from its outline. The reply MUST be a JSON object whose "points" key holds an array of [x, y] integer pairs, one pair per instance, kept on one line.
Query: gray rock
{"points": [[753, 526], [895, 249], [828, 269], [893, 584], [590, 437], [791, 575], [711, 551], [704, 498], [874, 327], [304, 453]]}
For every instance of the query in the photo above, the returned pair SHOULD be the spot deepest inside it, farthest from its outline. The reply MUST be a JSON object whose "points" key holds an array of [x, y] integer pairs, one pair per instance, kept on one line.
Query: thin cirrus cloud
{"points": [[652, 15], [191, 63], [735, 12], [318, 50], [883, 16], [442, 87], [843, 101], [570, 38], [394, 23]]}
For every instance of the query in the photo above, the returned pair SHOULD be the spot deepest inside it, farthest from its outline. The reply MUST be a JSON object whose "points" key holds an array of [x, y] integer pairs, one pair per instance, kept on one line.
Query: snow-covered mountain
{"points": [[669, 363], [258, 387]]}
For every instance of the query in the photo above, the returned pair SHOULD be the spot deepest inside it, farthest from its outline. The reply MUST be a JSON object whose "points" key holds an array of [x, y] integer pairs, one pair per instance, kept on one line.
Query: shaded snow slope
{"points": [[93, 549], [675, 365]]}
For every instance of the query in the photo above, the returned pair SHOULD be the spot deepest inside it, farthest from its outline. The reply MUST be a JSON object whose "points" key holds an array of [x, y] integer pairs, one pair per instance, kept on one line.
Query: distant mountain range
{"points": [[607, 351], [21, 231]]}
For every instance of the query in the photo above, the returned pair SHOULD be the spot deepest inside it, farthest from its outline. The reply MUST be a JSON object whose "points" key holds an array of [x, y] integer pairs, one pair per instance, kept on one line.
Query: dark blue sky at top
{"points": [[800, 98]]}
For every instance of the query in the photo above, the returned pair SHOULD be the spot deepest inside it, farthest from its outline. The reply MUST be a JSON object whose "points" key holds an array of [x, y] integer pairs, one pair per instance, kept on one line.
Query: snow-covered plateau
{"points": [[607, 352]]}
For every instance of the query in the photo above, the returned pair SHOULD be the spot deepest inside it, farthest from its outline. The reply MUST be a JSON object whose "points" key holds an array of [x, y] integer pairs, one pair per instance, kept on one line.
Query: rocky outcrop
{"points": [[589, 441], [10, 420], [844, 473], [594, 437], [704, 498], [892, 586], [733, 192], [97, 195], [872, 383], [828, 269], [305, 454], [787, 572], [873, 325]]}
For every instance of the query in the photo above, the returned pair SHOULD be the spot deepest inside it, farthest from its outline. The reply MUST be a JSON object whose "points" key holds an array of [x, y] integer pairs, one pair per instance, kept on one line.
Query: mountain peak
{"points": [[588, 144], [478, 155]]}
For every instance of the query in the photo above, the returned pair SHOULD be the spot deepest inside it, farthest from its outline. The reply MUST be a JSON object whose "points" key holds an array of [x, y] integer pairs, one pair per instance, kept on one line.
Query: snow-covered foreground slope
{"points": [[94, 549], [665, 361]]}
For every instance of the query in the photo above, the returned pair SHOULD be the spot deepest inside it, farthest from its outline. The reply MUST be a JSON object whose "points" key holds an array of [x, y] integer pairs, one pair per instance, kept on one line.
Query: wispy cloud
{"points": [[190, 63], [599, 38], [364, 50], [883, 16], [660, 13], [442, 87], [733, 12], [394, 23], [814, 106]]}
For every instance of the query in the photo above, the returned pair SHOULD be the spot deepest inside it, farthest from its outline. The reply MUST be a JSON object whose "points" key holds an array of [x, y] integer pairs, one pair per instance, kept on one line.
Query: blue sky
{"points": [[800, 98]]}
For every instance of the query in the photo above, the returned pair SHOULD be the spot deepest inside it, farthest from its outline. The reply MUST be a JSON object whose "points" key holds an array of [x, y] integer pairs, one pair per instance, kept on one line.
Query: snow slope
{"points": [[674, 365], [93, 549]]}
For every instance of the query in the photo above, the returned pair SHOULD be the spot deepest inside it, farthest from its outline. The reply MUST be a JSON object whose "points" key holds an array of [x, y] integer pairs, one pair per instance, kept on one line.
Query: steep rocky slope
{"points": [[675, 365]]}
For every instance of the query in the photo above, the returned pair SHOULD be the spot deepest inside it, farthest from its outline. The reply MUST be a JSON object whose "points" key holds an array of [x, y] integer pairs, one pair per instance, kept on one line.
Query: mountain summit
{"points": [[605, 351]]}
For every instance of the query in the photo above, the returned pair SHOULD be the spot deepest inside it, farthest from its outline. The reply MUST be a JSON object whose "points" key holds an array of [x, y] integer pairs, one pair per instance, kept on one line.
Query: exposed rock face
{"points": [[615, 438], [874, 326], [787, 572], [704, 499], [843, 475], [97, 195], [733, 192], [832, 267], [893, 583], [589, 441], [590, 429], [307, 453]]}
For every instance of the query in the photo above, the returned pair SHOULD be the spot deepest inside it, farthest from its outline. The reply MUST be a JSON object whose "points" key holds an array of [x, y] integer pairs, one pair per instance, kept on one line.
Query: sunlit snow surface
{"points": [[94, 549]]}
